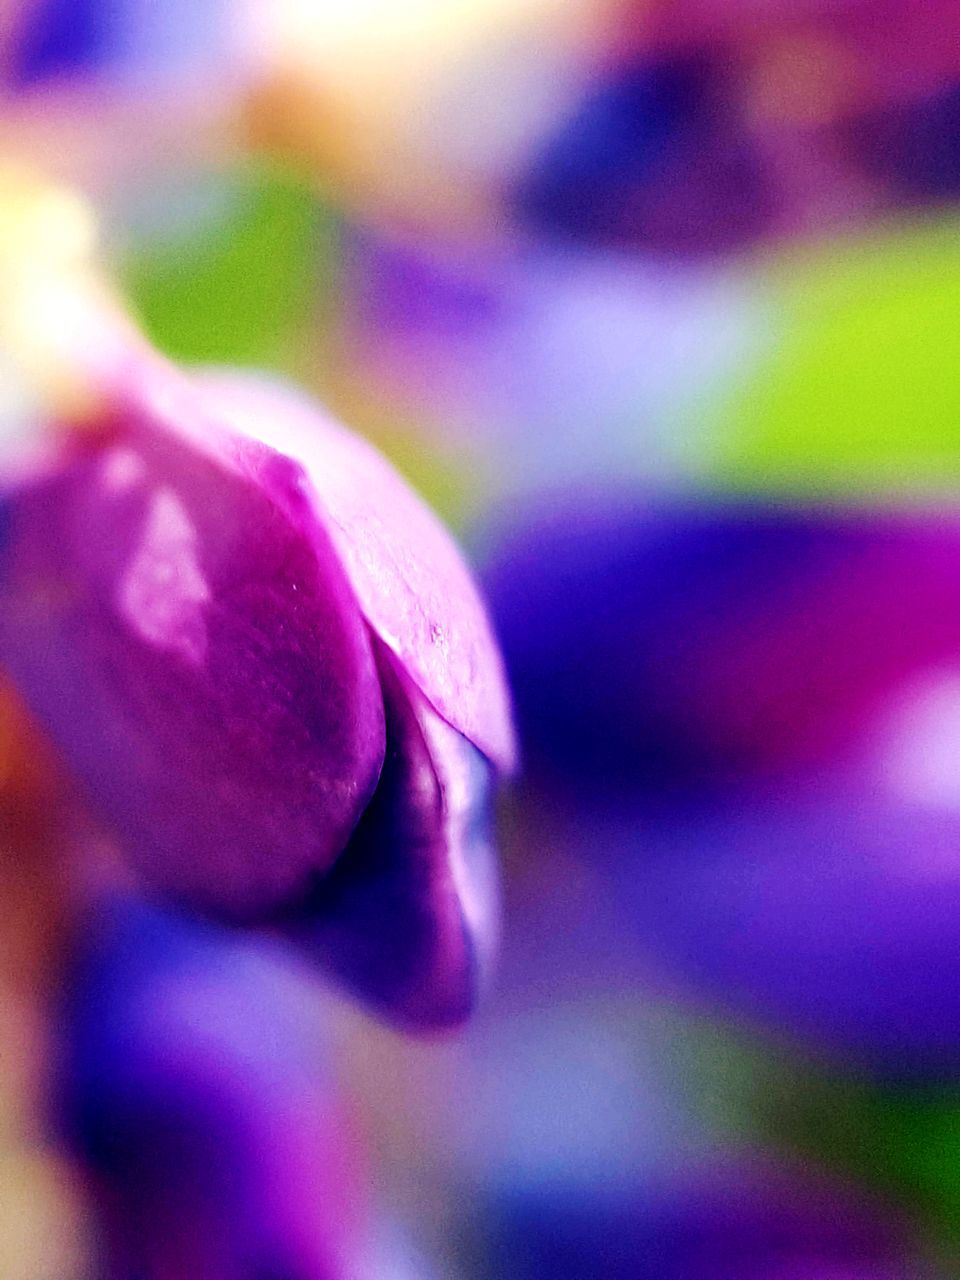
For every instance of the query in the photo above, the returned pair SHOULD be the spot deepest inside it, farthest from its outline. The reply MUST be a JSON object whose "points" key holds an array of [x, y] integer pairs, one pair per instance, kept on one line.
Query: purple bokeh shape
{"points": [[661, 644], [749, 724]]}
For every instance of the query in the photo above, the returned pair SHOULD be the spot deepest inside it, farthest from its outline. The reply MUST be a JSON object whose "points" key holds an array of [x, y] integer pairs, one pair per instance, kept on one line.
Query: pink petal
{"points": [[408, 575], [187, 634]]}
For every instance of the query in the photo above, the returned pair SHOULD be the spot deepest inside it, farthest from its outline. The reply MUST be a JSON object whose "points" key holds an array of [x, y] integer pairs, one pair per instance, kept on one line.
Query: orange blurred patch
{"points": [[30, 808], [43, 1235]]}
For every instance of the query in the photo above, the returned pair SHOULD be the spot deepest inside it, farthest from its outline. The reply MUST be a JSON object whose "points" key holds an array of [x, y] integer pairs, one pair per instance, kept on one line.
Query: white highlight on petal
{"points": [[472, 860], [163, 593], [122, 469], [922, 741]]}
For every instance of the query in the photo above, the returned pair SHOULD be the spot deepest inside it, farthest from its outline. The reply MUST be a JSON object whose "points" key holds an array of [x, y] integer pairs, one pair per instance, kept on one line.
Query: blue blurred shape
{"points": [[193, 1088]]}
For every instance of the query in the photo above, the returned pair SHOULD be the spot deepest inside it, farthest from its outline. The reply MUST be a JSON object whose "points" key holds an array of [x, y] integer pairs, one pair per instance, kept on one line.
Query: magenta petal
{"points": [[408, 575], [408, 918], [185, 631]]}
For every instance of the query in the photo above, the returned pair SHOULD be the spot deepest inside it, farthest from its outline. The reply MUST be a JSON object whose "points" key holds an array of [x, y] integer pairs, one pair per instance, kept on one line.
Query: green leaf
{"points": [[236, 289], [862, 391]]}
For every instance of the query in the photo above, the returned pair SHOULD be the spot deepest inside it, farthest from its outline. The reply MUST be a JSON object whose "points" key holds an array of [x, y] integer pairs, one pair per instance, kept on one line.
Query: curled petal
{"points": [[408, 918], [186, 633], [409, 577]]}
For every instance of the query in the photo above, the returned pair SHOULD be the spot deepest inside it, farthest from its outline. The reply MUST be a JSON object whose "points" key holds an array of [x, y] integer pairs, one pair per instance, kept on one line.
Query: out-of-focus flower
{"points": [[416, 113], [707, 127], [655, 156], [122, 95], [667, 128], [879, 49], [61, 331], [733, 1220], [557, 366], [585, 1155], [268, 665], [752, 716], [113, 42], [720, 641], [196, 1092]]}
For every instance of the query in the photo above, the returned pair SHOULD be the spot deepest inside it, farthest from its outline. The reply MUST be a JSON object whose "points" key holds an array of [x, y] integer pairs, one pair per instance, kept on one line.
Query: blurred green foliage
{"points": [[239, 287], [862, 391], [251, 286]]}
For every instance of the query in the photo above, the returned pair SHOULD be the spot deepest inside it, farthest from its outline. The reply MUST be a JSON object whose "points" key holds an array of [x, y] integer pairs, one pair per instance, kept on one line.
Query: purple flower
{"points": [[752, 717], [268, 665], [655, 157], [194, 1089]]}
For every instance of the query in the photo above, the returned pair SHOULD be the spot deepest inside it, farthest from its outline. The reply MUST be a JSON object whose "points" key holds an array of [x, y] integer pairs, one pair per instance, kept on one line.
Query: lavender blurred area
{"points": [[655, 302]]}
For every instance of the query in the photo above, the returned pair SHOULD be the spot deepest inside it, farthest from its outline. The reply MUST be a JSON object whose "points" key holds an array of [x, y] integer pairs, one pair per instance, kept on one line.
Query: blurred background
{"points": [[656, 301]]}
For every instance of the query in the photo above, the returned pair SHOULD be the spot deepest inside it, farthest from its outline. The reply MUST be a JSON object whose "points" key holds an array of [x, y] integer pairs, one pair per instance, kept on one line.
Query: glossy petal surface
{"points": [[183, 628], [409, 577]]}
